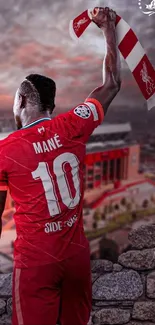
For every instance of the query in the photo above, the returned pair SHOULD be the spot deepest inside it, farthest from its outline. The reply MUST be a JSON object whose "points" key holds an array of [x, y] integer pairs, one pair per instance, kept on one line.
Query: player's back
{"points": [[44, 168]]}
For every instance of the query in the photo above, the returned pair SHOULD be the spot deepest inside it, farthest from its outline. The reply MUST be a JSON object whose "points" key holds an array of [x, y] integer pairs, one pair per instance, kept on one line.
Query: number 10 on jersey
{"points": [[48, 181]]}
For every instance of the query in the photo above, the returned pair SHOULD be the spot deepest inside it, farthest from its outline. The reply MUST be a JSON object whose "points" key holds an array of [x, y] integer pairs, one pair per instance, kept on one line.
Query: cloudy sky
{"points": [[34, 37]]}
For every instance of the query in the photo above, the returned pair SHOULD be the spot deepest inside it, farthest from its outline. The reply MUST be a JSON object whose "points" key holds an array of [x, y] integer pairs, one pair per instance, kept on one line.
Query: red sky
{"points": [[34, 37]]}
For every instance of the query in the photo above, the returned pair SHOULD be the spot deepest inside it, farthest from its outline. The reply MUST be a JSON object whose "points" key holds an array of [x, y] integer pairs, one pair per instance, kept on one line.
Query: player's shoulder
{"points": [[82, 110], [90, 111], [14, 135], [95, 107], [9, 139], [90, 107]]}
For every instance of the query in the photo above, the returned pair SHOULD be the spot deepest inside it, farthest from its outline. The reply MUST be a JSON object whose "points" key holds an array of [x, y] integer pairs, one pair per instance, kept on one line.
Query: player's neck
{"points": [[36, 118]]}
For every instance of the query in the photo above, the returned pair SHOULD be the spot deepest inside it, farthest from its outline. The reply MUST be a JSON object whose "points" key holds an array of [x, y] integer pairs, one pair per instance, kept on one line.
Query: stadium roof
{"points": [[102, 145], [112, 128]]}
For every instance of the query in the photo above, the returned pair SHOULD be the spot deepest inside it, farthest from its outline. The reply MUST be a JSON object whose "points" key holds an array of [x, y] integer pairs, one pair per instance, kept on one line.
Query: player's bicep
{"points": [[84, 118], [3, 173], [3, 185], [3, 195], [3, 182]]}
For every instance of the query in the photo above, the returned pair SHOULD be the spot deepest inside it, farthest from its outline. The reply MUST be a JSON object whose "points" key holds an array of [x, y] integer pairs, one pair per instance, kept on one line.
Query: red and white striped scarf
{"points": [[131, 50]]}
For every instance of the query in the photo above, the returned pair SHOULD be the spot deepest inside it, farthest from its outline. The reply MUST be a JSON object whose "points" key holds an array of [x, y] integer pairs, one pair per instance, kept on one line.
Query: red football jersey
{"points": [[42, 165]]}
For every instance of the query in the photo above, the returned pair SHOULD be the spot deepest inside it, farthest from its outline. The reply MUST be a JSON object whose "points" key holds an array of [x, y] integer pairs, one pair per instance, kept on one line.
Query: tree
{"points": [[95, 225], [123, 201], [97, 215], [134, 215], [103, 216], [129, 206], [106, 209], [109, 250], [110, 208], [116, 207], [152, 198], [86, 211], [145, 204]]}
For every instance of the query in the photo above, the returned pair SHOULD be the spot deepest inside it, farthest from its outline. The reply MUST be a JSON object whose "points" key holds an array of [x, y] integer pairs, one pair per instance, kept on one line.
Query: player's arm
{"points": [[105, 20], [80, 122], [3, 185], [3, 194]]}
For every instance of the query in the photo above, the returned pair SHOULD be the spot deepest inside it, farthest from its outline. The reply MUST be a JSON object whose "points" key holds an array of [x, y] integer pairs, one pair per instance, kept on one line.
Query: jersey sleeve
{"points": [[83, 119], [3, 173]]}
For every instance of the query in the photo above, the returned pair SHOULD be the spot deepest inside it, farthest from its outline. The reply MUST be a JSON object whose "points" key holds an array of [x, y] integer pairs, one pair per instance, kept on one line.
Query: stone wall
{"points": [[123, 293]]}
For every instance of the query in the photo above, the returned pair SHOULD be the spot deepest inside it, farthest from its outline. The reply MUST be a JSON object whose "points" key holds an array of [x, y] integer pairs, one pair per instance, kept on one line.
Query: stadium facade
{"points": [[112, 156]]}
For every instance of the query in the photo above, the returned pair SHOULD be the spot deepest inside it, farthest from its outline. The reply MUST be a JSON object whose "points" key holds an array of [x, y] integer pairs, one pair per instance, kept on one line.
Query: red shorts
{"points": [[60, 291]]}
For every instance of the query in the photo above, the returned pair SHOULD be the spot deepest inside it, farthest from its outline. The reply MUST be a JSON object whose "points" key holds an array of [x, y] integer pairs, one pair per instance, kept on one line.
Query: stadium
{"points": [[116, 192], [112, 156]]}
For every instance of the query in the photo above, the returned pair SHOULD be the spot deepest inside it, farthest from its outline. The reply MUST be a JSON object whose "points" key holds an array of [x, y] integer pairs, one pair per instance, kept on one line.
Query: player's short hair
{"points": [[39, 90]]}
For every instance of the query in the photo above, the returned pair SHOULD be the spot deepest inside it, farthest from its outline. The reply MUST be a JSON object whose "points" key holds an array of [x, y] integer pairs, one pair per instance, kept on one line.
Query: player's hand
{"points": [[104, 17]]}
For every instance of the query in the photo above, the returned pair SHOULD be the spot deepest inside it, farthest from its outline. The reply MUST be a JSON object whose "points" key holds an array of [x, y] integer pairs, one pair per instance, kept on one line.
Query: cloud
{"points": [[6, 102], [34, 37]]}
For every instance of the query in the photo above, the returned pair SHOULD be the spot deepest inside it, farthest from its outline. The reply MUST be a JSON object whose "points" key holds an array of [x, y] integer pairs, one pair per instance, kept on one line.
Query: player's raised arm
{"points": [[105, 20], [3, 186], [3, 194]]}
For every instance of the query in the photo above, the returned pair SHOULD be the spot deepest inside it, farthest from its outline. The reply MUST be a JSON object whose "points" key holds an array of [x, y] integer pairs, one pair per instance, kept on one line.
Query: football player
{"points": [[42, 165]]}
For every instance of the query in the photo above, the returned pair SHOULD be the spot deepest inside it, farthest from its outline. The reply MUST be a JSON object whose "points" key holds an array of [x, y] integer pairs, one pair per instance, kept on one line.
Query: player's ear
{"points": [[17, 103]]}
